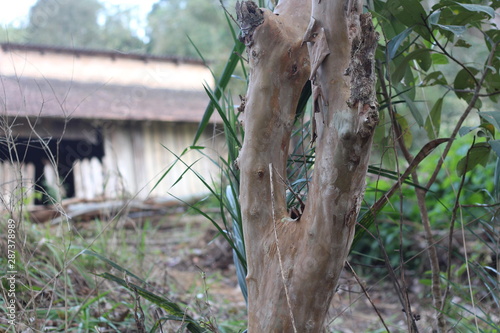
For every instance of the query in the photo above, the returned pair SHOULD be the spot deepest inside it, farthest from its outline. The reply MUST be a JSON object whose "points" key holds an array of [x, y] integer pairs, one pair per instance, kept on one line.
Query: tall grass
{"points": [[58, 267], [401, 254]]}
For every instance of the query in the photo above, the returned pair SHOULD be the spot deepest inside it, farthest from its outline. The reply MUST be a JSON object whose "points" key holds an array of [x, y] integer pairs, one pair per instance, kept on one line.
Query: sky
{"points": [[17, 11]]}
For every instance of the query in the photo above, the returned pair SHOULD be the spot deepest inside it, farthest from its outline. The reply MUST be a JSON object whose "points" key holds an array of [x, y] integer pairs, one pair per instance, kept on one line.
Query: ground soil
{"points": [[182, 257], [185, 254]]}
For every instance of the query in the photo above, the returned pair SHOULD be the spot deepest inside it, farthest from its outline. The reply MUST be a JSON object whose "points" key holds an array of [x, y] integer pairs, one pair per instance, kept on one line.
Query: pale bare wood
{"points": [[294, 266]]}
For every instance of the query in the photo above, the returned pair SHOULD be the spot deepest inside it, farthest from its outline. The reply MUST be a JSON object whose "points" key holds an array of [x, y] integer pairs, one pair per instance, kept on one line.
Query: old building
{"points": [[99, 125]]}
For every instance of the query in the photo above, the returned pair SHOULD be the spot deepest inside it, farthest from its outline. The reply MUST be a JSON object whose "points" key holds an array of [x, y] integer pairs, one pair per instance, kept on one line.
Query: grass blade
{"points": [[227, 73]]}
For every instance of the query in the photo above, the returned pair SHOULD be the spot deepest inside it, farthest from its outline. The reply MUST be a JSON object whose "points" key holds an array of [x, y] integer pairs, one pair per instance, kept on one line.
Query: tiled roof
{"points": [[36, 97]]}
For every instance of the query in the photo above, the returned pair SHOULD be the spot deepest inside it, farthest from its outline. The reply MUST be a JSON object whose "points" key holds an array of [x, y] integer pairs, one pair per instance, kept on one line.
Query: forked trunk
{"points": [[294, 266]]}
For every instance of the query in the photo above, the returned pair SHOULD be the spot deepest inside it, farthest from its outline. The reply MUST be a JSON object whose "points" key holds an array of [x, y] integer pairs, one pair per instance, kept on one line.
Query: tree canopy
{"points": [[184, 28], [81, 24], [65, 23]]}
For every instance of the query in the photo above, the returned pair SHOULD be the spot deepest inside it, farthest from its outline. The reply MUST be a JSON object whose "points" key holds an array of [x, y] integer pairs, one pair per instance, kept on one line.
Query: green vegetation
{"points": [[428, 88], [183, 28], [69, 281], [64, 23]]}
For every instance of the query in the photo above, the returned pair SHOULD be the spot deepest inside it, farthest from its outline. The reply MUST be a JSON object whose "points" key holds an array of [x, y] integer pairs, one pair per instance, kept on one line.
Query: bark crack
{"points": [[362, 66], [280, 260]]}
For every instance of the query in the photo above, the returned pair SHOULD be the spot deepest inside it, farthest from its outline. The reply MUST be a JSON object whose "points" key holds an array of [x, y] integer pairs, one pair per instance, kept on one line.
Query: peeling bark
{"points": [[294, 266]]}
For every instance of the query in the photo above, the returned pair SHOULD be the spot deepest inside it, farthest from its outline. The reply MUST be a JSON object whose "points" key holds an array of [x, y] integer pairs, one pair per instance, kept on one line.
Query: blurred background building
{"points": [[94, 125]]}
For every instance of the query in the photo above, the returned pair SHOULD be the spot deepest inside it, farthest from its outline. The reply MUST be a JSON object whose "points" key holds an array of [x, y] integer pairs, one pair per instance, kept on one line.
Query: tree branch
{"points": [[464, 116]]}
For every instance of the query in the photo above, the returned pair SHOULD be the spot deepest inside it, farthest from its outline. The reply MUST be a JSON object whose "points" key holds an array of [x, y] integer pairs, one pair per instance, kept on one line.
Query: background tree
{"points": [[117, 33], [11, 33], [173, 23], [65, 23], [84, 24]]}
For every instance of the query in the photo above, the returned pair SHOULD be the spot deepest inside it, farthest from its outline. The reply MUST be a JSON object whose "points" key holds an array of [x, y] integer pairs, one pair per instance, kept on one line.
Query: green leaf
{"points": [[422, 56], [488, 129], [457, 30], [466, 130], [414, 110], [433, 121], [394, 43], [464, 81], [477, 154], [434, 17], [434, 78], [492, 83], [222, 83], [492, 117], [491, 36], [462, 43], [439, 59], [405, 131], [495, 145], [426, 282], [409, 12], [424, 59], [239, 243], [227, 125], [410, 82], [478, 8]]}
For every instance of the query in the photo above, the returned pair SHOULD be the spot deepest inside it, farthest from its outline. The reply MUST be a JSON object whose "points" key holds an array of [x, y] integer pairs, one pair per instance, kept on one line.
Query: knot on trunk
{"points": [[249, 17]]}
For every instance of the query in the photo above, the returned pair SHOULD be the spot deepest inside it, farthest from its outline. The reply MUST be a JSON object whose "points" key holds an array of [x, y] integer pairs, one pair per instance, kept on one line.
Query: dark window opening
{"points": [[59, 152]]}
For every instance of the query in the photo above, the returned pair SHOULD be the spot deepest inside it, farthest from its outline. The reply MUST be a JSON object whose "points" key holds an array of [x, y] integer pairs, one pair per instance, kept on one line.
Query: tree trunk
{"points": [[294, 265]]}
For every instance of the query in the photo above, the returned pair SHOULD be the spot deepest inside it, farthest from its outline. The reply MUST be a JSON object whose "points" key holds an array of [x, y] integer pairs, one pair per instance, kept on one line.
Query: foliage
{"points": [[64, 284], [11, 33], [420, 61], [174, 25], [52, 285], [64, 23], [421, 57], [117, 34], [477, 189], [82, 24], [173, 309]]}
